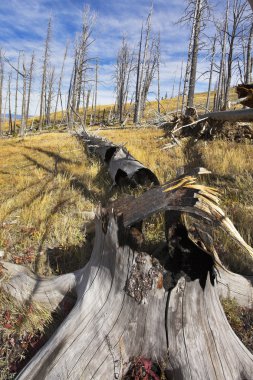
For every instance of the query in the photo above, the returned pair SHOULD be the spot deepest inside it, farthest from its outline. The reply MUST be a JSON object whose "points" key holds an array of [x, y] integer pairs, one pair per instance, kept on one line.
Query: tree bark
{"points": [[194, 54]]}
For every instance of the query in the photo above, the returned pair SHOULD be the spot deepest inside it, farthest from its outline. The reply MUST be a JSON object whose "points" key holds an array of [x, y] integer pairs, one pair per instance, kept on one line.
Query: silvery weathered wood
{"points": [[183, 327]]}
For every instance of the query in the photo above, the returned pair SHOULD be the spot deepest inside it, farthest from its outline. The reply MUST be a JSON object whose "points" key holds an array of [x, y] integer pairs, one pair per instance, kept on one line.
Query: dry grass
{"points": [[241, 321], [145, 145], [47, 183], [22, 329]]}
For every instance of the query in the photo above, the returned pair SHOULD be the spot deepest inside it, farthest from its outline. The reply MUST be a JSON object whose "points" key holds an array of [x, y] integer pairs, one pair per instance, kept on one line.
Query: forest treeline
{"points": [[223, 40]]}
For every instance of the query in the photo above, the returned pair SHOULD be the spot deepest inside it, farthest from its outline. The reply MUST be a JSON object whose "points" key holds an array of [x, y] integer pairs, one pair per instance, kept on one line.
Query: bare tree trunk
{"points": [[141, 103], [16, 95], [137, 87], [158, 76], [44, 74], [96, 93], [86, 107], [60, 83], [179, 86], [9, 96], [248, 74], [189, 60], [219, 92], [238, 18], [49, 96], [211, 74], [31, 70], [24, 109], [194, 56], [1, 90]]}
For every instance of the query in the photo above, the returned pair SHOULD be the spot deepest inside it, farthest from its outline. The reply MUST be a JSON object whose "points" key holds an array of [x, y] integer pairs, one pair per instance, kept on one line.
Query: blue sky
{"points": [[23, 26]]}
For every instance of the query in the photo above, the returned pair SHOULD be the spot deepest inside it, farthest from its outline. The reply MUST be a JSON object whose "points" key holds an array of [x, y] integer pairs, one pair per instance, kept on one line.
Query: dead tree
{"points": [[81, 66], [234, 31], [44, 73], [146, 64], [137, 86], [196, 12], [211, 74], [85, 113], [30, 81], [9, 102], [222, 30], [249, 59], [95, 93], [158, 74], [49, 97], [179, 86], [1, 89], [60, 84], [122, 76], [24, 107], [16, 94]]}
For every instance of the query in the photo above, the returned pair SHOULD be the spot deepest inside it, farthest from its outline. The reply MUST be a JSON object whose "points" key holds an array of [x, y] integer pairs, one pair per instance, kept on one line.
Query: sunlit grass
{"points": [[47, 183]]}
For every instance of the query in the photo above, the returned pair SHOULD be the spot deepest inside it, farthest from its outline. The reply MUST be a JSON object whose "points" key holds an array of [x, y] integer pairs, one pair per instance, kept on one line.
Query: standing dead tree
{"points": [[249, 59], [24, 107], [60, 85], [1, 89], [30, 82], [146, 66], [211, 73], [16, 94], [234, 32], [196, 12], [44, 74], [49, 97], [9, 103], [81, 65], [124, 67]]}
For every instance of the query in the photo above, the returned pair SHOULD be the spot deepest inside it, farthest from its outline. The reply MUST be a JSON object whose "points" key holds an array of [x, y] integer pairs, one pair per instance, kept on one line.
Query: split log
{"points": [[123, 168], [131, 305]]}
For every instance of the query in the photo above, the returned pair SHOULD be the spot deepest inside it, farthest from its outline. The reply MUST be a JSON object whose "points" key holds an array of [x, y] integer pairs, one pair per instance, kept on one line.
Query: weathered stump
{"points": [[131, 305]]}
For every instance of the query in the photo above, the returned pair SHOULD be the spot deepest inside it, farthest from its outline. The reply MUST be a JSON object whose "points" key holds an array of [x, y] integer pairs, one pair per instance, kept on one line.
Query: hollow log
{"points": [[129, 305], [123, 168]]}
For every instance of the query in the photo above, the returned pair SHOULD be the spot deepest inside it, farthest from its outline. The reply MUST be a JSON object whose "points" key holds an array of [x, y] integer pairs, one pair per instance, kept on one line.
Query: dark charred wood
{"points": [[123, 168]]}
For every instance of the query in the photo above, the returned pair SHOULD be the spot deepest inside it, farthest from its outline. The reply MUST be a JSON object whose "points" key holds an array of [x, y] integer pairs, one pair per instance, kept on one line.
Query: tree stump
{"points": [[132, 305]]}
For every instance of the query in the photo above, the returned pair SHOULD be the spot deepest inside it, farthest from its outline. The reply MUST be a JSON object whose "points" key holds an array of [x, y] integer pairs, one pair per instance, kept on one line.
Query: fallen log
{"points": [[237, 115], [123, 168], [132, 305]]}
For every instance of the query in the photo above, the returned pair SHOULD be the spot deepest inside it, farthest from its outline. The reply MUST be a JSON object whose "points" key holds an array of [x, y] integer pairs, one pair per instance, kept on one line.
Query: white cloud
{"points": [[23, 26]]}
